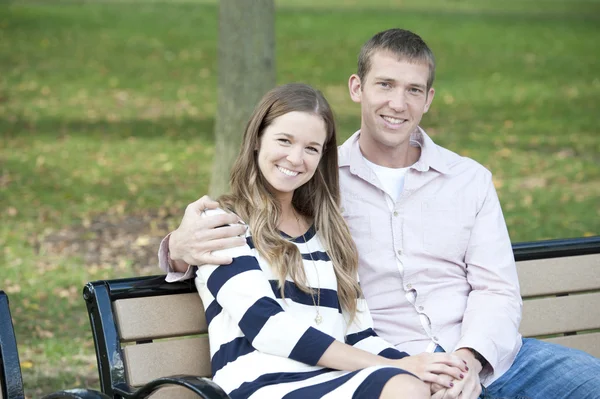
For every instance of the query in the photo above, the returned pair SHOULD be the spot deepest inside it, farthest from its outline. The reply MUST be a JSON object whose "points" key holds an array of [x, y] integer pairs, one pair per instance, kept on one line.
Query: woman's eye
{"points": [[284, 141]]}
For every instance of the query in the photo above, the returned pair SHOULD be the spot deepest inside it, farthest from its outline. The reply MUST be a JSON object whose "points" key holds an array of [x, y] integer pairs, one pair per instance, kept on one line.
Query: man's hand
{"points": [[470, 386], [197, 236]]}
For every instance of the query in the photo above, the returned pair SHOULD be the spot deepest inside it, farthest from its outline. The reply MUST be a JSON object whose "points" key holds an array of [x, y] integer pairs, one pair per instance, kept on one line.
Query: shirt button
{"points": [[395, 213], [435, 339], [399, 252], [421, 308], [409, 286]]}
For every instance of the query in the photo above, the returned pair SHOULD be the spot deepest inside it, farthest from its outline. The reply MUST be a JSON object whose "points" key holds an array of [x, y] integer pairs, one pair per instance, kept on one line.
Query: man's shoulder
{"points": [[345, 149], [461, 164]]}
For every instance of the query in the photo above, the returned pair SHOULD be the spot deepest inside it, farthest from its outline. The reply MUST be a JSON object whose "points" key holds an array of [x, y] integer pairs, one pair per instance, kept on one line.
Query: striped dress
{"points": [[263, 346]]}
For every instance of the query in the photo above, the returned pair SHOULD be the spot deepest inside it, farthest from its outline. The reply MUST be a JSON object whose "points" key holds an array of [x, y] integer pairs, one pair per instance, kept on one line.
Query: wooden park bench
{"points": [[11, 381], [560, 286], [146, 329]]}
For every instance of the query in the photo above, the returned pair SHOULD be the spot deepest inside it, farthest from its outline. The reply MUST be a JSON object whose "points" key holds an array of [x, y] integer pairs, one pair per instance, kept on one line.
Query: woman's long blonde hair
{"points": [[317, 200]]}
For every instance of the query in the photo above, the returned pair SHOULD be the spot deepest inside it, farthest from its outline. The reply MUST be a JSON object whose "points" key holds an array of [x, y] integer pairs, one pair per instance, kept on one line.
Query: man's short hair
{"points": [[402, 43]]}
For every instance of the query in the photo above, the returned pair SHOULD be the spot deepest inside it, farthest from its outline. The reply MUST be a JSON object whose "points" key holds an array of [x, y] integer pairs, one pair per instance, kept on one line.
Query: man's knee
{"points": [[405, 386]]}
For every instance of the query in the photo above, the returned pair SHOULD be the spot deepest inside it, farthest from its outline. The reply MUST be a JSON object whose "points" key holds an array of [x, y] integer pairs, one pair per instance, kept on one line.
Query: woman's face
{"points": [[290, 151]]}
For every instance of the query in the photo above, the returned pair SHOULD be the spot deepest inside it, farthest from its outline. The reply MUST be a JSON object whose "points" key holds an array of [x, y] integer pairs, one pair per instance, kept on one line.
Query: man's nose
{"points": [[398, 101]]}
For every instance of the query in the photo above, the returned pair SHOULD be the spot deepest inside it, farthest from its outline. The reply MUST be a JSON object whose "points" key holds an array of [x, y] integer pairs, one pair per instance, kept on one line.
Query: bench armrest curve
{"points": [[77, 394], [203, 387]]}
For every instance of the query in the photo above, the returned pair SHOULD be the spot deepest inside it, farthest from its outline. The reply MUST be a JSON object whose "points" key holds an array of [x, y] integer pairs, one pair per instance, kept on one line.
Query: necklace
{"points": [[317, 304]]}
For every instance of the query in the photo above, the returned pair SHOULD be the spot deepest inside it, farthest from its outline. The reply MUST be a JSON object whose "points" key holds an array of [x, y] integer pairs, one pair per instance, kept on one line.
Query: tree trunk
{"points": [[246, 71]]}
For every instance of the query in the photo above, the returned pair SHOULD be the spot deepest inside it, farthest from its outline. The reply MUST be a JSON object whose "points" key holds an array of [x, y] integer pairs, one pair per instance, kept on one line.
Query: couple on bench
{"points": [[277, 261]]}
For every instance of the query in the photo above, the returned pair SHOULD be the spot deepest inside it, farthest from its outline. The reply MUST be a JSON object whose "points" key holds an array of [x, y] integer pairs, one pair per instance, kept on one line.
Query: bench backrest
{"points": [[11, 381], [560, 286], [145, 328]]}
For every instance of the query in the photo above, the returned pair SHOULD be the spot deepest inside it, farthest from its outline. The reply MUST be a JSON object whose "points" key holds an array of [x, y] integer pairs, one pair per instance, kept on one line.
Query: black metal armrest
{"points": [[203, 387], [77, 394]]}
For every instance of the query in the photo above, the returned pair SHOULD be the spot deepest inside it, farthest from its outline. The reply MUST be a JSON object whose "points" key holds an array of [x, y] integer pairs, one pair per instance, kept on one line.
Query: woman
{"points": [[286, 317]]}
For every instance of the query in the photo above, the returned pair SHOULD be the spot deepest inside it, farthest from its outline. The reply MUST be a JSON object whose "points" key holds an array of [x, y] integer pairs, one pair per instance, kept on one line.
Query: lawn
{"points": [[106, 130]]}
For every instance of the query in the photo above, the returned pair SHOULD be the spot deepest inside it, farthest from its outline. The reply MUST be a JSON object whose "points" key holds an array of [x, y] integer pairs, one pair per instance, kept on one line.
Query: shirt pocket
{"points": [[359, 223], [446, 231]]}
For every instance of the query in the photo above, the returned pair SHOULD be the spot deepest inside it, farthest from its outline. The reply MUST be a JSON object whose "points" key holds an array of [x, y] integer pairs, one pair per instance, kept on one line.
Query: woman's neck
{"points": [[291, 222]]}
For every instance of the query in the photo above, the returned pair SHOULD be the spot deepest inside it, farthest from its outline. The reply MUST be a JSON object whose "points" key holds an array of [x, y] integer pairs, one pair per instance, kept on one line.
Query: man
{"points": [[436, 263]]}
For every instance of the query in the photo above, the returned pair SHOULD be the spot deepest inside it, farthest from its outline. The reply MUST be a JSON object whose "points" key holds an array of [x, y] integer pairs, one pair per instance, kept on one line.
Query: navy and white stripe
{"points": [[263, 345]]}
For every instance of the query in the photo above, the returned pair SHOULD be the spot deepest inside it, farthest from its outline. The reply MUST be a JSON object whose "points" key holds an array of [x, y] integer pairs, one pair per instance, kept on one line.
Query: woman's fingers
{"points": [[453, 372], [439, 379], [450, 360]]}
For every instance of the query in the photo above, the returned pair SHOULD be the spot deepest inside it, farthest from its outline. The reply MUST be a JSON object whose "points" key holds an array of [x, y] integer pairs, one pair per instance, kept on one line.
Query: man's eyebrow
{"points": [[291, 136], [392, 80], [385, 79], [418, 85]]}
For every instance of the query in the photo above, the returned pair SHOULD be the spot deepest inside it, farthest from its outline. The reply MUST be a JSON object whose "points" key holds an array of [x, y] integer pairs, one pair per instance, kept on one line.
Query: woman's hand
{"points": [[435, 368]]}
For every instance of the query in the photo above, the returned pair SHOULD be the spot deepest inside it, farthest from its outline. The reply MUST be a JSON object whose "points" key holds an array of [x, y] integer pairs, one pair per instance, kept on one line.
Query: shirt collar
{"points": [[431, 154]]}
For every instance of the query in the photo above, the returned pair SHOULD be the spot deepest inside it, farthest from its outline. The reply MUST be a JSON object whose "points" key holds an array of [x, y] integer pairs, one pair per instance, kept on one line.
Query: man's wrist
{"points": [[479, 357]]}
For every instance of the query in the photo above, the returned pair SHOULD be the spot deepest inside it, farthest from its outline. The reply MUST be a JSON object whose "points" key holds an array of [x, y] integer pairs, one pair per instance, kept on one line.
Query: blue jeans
{"points": [[548, 371]]}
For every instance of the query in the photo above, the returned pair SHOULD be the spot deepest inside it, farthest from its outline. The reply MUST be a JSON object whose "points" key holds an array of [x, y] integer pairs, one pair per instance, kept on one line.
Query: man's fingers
{"points": [[207, 255], [232, 231], [212, 221], [437, 387], [438, 379], [471, 391], [204, 202], [439, 394], [226, 243]]}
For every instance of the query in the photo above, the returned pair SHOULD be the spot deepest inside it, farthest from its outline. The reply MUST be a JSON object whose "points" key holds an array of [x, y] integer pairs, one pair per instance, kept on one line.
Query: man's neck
{"points": [[401, 156]]}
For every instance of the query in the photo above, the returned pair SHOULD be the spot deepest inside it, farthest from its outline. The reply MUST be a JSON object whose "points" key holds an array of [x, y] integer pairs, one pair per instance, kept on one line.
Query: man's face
{"points": [[393, 99]]}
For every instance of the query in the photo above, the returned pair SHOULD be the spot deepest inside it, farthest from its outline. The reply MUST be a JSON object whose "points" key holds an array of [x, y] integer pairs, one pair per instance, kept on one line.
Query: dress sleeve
{"points": [[361, 335], [243, 290]]}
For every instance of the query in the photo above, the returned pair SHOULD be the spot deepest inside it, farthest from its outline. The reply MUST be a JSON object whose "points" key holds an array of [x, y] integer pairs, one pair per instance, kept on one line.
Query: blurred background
{"points": [[107, 112]]}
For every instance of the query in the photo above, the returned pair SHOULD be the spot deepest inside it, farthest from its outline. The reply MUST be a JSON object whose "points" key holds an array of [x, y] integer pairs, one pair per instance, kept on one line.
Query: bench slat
{"points": [[160, 317], [146, 362], [559, 275], [589, 343], [561, 314]]}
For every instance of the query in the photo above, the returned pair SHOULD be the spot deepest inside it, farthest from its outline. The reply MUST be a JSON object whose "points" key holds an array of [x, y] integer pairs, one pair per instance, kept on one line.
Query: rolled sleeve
{"points": [[164, 263]]}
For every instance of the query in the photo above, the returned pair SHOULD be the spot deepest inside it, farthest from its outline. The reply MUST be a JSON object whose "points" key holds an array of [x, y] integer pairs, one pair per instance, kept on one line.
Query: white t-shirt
{"points": [[392, 179]]}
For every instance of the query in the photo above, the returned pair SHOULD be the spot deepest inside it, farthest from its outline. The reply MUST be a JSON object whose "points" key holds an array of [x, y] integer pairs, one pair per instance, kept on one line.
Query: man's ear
{"points": [[429, 100], [355, 87]]}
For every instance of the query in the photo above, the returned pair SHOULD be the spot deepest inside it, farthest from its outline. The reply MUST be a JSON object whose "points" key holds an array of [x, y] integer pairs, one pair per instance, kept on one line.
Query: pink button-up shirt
{"points": [[443, 242], [444, 239]]}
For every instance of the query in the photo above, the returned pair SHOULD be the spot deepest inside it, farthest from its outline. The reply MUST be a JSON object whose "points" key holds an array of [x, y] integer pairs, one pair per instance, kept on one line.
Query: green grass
{"points": [[107, 108]]}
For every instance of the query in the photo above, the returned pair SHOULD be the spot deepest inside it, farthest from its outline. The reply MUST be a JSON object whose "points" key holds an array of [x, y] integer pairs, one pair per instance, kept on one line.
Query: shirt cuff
{"points": [[164, 262], [484, 348]]}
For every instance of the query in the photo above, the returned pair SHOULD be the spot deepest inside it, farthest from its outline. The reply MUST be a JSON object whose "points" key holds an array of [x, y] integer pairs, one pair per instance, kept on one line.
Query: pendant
{"points": [[318, 319]]}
